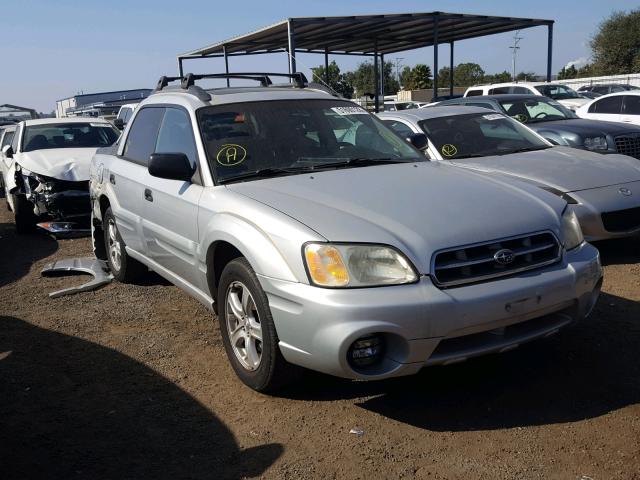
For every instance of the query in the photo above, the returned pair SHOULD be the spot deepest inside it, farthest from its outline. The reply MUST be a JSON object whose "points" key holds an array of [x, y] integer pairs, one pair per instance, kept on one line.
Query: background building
{"points": [[99, 104], [13, 113]]}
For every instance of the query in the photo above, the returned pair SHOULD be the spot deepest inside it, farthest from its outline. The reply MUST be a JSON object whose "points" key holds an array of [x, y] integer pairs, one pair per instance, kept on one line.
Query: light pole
{"points": [[397, 61], [514, 51]]}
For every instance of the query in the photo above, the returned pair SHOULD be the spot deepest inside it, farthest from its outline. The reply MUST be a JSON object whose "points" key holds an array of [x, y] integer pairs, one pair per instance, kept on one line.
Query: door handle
{"points": [[148, 196], [112, 179]]}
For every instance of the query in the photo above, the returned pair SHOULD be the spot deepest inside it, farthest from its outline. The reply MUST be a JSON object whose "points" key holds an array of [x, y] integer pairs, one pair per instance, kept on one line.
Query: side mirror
{"points": [[7, 151], [418, 140], [172, 166], [119, 123]]}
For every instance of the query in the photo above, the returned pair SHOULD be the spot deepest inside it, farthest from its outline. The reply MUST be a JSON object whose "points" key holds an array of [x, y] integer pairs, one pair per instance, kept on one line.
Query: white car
{"points": [[616, 107], [45, 169], [124, 114], [560, 93]]}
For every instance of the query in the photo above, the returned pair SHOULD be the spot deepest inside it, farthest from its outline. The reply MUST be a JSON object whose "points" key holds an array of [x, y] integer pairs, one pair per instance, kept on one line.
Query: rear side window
{"points": [[474, 93], [142, 138], [607, 105], [8, 137], [520, 90], [400, 128], [176, 135], [632, 104]]}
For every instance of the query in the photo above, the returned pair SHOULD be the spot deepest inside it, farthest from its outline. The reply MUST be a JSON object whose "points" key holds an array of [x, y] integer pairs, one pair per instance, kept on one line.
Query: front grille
{"points": [[476, 263], [622, 220], [628, 145]]}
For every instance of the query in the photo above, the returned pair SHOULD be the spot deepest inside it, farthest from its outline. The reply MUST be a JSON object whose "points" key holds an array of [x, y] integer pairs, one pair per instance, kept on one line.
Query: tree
{"points": [[615, 48], [467, 74], [418, 77], [526, 76], [568, 72], [337, 81], [501, 77], [444, 76], [363, 79]]}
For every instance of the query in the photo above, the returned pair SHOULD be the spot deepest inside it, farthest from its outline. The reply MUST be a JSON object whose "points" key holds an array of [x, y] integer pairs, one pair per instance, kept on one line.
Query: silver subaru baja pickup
{"points": [[323, 240]]}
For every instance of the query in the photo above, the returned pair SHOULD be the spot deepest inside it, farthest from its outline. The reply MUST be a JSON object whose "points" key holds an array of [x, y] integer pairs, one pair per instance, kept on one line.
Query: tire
{"points": [[124, 268], [23, 214], [272, 371]]}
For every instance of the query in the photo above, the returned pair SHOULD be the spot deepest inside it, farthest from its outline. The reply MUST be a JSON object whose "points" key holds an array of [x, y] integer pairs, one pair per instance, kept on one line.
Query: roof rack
{"points": [[187, 82]]}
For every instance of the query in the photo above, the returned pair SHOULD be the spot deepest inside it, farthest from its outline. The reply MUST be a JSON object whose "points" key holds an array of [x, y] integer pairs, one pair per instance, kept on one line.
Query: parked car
{"points": [[394, 106], [561, 93], [599, 89], [6, 137], [46, 170], [560, 125], [598, 188], [323, 240], [124, 114], [615, 107]]}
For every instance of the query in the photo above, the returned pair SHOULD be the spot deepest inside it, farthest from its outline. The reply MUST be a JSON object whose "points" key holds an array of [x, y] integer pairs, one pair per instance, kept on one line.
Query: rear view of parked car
{"points": [[46, 170], [602, 190], [324, 241]]}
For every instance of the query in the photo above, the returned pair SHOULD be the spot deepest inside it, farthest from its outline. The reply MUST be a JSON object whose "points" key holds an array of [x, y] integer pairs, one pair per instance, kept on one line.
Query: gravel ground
{"points": [[133, 382]]}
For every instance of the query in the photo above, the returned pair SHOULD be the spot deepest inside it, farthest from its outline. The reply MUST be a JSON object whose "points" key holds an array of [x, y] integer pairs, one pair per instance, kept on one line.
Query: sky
{"points": [[53, 49]]}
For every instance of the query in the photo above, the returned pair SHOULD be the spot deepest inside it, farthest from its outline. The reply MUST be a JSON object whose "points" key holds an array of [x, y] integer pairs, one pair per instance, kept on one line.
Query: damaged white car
{"points": [[46, 171]]}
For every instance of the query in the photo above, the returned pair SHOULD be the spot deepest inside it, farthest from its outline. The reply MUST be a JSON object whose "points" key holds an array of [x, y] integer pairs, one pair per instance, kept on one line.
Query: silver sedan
{"points": [[603, 190]]}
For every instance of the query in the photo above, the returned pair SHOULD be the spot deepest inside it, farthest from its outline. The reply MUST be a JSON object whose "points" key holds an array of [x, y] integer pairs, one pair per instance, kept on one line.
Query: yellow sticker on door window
{"points": [[448, 150], [231, 154]]}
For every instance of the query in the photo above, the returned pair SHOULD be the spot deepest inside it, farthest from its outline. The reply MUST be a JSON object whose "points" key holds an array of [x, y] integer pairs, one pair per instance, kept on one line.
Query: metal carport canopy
{"points": [[367, 35]]}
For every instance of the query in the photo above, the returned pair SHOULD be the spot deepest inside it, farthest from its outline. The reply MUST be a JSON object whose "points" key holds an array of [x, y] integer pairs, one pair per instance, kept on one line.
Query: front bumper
{"points": [[423, 325], [596, 202]]}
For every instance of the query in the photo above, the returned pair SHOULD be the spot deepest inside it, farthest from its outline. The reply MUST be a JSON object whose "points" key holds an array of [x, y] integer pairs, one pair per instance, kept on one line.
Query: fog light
{"points": [[366, 351]]}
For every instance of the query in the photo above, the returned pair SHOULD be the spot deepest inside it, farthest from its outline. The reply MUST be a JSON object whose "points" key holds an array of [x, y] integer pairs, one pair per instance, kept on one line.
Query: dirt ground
{"points": [[133, 382]]}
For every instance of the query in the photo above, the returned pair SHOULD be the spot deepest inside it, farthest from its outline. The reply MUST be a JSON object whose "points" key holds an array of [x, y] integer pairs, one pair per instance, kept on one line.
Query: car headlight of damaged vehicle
{"points": [[356, 265], [595, 143], [571, 231]]}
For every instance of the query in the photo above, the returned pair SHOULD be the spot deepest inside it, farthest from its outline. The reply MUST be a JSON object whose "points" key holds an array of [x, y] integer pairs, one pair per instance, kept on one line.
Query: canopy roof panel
{"points": [[366, 34]]}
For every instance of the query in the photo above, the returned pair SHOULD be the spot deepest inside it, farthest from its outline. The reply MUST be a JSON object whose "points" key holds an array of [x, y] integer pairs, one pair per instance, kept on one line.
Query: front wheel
{"points": [[248, 331], [124, 268]]}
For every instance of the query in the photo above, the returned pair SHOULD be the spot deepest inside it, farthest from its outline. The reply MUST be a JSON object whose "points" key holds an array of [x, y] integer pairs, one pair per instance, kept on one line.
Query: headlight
{"points": [[571, 230], [353, 265], [595, 143]]}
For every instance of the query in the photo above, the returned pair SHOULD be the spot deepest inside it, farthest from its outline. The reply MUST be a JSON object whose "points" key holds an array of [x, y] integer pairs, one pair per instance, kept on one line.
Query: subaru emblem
{"points": [[504, 256], [625, 191]]}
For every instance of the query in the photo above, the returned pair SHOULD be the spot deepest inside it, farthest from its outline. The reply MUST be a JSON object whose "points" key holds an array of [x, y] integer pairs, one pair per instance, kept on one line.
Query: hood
{"points": [[573, 103], [418, 208], [584, 127], [70, 164], [563, 168]]}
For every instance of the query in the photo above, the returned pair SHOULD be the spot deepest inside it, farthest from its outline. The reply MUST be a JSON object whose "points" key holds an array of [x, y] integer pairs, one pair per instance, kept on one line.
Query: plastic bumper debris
{"points": [[90, 265]]}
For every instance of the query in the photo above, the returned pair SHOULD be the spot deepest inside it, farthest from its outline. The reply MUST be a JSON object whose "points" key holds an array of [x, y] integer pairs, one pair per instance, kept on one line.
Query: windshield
{"points": [[296, 135], [68, 135], [531, 111], [557, 92], [479, 135]]}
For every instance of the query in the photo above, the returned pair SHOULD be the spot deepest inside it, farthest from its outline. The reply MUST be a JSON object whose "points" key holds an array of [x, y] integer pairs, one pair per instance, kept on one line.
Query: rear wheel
{"points": [[124, 268], [248, 331], [23, 214]]}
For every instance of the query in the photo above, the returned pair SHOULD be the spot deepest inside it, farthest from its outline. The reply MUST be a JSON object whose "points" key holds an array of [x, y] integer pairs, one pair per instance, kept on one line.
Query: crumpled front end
{"points": [[54, 199]]}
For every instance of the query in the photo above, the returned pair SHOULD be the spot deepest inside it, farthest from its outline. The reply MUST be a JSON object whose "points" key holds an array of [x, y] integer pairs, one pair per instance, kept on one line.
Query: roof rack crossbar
{"points": [[164, 81], [263, 77]]}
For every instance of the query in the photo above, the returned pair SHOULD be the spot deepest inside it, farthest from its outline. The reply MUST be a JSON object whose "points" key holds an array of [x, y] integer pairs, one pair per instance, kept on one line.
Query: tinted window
{"points": [[68, 135], [8, 136], [632, 104], [176, 135], [520, 90], [530, 111], [400, 128], [143, 135], [602, 90], [479, 134], [607, 105], [499, 91], [557, 92], [294, 135], [474, 93]]}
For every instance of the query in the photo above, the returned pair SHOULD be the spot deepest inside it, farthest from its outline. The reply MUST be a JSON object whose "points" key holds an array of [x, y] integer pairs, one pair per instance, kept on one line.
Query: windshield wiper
{"points": [[526, 149], [466, 155], [360, 161], [263, 173]]}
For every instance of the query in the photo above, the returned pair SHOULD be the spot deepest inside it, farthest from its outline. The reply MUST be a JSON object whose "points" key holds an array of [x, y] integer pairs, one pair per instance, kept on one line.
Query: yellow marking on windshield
{"points": [[231, 154], [448, 150]]}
